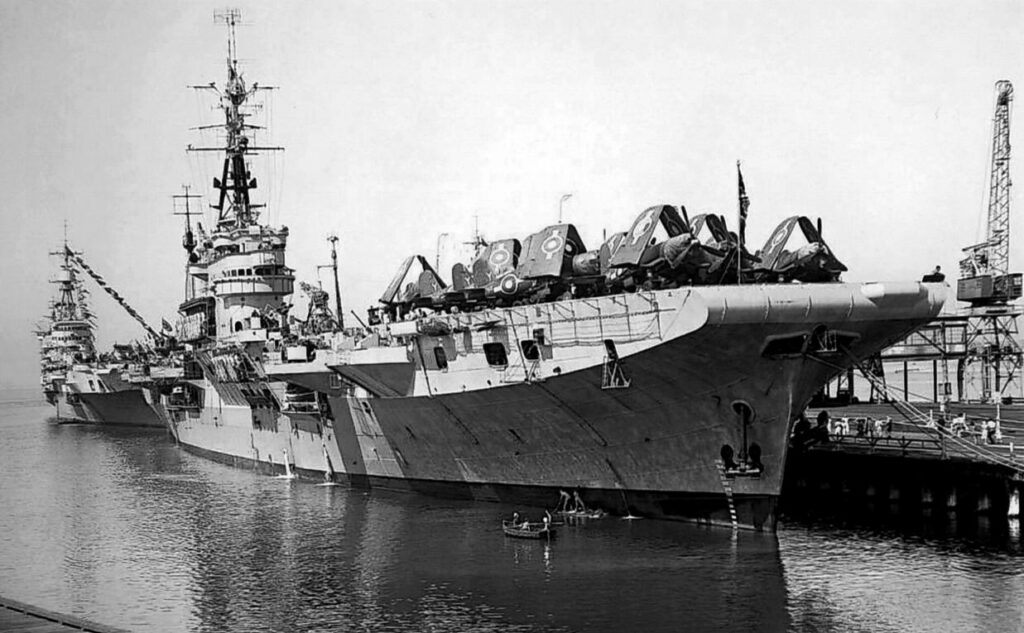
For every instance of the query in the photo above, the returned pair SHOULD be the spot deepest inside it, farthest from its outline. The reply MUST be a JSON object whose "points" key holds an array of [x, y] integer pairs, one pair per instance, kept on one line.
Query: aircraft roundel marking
{"points": [[500, 255], [508, 284], [642, 225], [552, 244], [780, 235]]}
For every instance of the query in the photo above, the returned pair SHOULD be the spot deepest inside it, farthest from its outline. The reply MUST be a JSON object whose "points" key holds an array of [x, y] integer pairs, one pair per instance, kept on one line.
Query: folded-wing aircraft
{"points": [[811, 262]]}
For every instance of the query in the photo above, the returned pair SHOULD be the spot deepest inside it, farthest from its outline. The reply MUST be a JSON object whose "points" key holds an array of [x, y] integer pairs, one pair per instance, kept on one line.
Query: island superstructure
{"points": [[235, 312]]}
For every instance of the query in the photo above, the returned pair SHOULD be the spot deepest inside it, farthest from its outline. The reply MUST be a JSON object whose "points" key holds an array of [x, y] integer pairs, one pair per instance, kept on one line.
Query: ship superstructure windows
{"points": [[496, 355]]}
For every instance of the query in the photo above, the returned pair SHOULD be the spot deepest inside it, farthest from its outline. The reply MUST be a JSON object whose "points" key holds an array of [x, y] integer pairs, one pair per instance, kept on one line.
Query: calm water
{"points": [[124, 528]]}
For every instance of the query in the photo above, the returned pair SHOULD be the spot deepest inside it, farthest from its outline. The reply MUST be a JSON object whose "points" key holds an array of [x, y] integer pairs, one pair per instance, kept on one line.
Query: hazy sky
{"points": [[403, 120]]}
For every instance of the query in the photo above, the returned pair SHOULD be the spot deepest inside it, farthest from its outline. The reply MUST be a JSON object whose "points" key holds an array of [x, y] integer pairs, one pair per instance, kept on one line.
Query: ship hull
{"points": [[131, 407], [654, 444], [105, 398], [752, 511], [120, 408], [264, 440], [72, 410]]}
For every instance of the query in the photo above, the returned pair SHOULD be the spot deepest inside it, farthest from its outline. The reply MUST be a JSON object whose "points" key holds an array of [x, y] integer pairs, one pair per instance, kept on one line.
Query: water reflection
{"points": [[122, 527]]}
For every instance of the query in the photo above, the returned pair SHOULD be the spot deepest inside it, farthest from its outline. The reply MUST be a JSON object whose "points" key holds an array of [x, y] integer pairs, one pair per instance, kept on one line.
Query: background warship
{"points": [[83, 385]]}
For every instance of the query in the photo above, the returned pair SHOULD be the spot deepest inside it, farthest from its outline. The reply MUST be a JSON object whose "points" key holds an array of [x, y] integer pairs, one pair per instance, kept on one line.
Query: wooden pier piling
{"points": [[908, 472]]}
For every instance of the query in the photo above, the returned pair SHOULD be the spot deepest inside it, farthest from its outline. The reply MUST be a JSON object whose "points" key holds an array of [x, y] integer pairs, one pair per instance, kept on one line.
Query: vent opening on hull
{"points": [[495, 354], [441, 358], [530, 349]]}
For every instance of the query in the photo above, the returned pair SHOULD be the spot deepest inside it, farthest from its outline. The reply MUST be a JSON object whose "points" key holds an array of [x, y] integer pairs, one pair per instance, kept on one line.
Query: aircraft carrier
{"points": [[659, 374]]}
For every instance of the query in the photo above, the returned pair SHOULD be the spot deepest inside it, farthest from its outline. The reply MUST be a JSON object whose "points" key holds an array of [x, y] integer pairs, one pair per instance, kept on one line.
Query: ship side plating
{"points": [[673, 403]]}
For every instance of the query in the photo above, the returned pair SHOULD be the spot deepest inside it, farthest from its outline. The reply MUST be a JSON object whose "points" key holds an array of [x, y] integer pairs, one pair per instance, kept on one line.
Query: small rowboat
{"points": [[526, 529], [582, 514]]}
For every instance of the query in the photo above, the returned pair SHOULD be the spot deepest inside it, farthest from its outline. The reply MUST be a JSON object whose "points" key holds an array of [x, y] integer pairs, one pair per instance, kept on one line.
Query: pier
{"points": [[17, 617], [910, 462]]}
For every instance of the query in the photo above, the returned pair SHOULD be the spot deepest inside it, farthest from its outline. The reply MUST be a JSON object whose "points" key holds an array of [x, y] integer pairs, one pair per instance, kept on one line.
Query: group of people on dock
{"points": [[836, 429], [962, 426]]}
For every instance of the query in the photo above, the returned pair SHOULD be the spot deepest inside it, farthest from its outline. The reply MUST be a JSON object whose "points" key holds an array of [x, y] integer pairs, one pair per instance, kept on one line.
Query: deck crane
{"points": [[985, 281]]}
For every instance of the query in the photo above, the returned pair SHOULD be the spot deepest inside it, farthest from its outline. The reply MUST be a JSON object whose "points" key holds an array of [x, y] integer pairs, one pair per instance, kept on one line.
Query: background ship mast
{"points": [[188, 241], [70, 302]]}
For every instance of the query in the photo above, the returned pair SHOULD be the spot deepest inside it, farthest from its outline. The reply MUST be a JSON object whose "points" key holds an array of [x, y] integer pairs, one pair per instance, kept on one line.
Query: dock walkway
{"points": [[882, 456], [18, 617]]}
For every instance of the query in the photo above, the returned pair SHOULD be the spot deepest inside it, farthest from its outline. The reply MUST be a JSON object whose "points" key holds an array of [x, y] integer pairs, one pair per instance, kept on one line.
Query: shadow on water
{"points": [[879, 567], [944, 530]]}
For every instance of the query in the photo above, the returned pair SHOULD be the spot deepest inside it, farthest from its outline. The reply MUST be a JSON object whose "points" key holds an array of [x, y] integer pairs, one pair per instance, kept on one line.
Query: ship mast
{"points": [[235, 209], [70, 302], [333, 239], [237, 271], [188, 241]]}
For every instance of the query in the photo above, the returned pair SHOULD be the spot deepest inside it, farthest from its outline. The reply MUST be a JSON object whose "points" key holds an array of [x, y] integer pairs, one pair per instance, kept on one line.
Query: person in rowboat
{"points": [[578, 502], [563, 501]]}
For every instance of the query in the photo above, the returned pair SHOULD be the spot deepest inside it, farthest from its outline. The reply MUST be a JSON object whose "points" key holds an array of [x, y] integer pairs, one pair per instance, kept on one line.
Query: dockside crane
{"points": [[986, 283]]}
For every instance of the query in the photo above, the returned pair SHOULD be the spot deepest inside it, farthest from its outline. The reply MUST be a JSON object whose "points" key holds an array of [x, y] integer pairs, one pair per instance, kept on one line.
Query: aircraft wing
{"points": [[550, 252], [638, 238]]}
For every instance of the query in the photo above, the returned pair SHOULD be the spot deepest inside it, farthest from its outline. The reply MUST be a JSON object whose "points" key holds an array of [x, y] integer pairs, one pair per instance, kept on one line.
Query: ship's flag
{"points": [[744, 205]]}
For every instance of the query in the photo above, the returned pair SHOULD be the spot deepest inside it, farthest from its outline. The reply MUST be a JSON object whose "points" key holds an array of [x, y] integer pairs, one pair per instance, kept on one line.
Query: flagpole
{"points": [[740, 227]]}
